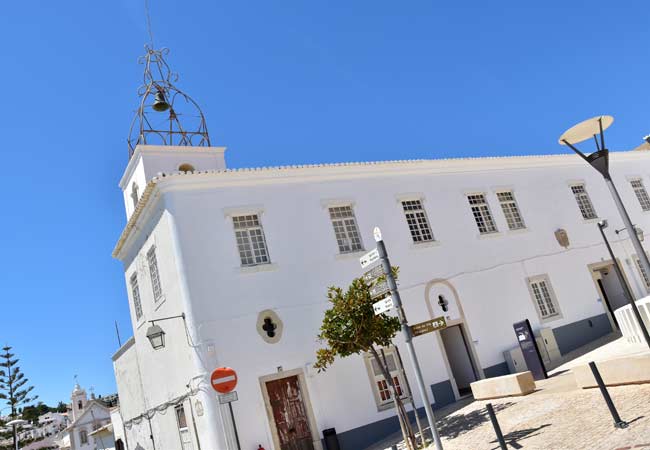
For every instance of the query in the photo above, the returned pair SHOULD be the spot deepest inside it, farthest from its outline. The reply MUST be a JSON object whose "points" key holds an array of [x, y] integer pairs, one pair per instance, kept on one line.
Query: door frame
{"points": [[471, 348], [594, 270], [463, 336], [302, 383]]}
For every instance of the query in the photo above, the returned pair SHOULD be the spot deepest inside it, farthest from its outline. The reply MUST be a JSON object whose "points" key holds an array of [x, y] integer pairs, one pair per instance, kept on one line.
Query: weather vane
{"points": [[166, 115]]}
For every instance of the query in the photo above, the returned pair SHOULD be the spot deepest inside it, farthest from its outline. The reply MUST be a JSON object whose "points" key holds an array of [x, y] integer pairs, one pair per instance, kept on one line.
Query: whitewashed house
{"points": [[230, 249], [233, 265]]}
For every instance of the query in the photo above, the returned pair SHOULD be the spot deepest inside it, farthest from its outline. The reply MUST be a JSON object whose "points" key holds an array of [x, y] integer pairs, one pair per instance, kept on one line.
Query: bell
{"points": [[159, 103]]}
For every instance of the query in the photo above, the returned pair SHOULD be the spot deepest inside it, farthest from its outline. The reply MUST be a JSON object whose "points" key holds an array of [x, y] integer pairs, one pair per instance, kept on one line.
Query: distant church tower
{"points": [[79, 401]]}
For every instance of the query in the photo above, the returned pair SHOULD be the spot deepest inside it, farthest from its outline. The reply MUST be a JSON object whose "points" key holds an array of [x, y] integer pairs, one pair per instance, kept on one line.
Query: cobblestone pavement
{"points": [[557, 416], [577, 419]]}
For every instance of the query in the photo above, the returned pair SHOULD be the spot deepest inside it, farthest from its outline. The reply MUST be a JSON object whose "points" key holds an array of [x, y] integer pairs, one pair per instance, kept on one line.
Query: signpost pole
{"points": [[408, 337], [234, 425]]}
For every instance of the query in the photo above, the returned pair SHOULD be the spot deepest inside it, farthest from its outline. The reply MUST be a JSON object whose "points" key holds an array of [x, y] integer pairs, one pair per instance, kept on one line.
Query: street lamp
{"points": [[156, 335], [599, 160], [16, 423], [619, 273]]}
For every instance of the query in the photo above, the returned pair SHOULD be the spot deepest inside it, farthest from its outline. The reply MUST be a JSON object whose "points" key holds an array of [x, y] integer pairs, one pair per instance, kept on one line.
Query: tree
{"points": [[350, 327], [12, 385], [61, 408]]}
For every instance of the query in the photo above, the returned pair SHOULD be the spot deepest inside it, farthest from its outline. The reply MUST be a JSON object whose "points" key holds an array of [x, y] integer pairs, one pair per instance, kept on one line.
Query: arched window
{"points": [[119, 445], [83, 437], [186, 167], [134, 194], [80, 405]]}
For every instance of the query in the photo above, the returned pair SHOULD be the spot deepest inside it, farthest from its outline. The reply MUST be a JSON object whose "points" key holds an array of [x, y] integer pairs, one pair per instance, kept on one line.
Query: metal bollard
{"points": [[497, 428], [618, 423]]}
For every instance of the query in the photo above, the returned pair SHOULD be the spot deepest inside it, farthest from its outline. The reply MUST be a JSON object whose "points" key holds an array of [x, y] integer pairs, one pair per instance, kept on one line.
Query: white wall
{"points": [[489, 273]]}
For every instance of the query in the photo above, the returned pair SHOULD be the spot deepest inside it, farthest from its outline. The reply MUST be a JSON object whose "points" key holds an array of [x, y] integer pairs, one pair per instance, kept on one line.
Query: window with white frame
{"points": [[346, 230], [584, 202], [153, 272], [511, 210], [543, 297], [134, 194], [641, 194], [251, 242], [135, 293], [380, 386], [183, 430], [83, 437], [482, 213], [416, 218], [643, 273]]}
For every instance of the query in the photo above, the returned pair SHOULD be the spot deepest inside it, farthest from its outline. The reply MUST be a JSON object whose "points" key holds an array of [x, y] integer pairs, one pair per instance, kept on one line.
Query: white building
{"points": [[236, 249], [87, 416]]}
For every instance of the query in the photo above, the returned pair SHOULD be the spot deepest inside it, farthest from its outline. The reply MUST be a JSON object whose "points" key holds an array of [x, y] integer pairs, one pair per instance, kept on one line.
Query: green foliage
{"points": [[31, 413], [61, 408], [12, 383], [350, 326]]}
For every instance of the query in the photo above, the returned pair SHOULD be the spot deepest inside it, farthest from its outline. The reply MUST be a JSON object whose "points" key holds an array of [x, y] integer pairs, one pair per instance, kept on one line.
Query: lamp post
{"points": [[599, 160], [619, 273], [156, 334], [14, 424]]}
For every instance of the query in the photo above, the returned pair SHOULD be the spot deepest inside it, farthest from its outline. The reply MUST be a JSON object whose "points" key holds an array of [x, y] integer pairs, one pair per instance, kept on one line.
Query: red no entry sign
{"points": [[223, 379]]}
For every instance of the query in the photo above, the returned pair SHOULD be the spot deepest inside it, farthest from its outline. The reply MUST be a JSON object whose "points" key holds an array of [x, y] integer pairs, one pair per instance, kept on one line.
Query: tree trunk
{"points": [[404, 423]]}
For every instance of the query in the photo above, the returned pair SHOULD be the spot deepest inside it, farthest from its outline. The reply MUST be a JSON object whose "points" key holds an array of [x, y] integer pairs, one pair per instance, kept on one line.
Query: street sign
{"points": [[383, 305], [369, 258], [228, 398], [223, 380], [373, 274], [429, 326], [379, 289]]}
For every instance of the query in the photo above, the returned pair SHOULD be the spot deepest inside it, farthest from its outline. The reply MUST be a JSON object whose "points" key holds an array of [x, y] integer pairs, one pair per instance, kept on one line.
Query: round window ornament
{"points": [[269, 326]]}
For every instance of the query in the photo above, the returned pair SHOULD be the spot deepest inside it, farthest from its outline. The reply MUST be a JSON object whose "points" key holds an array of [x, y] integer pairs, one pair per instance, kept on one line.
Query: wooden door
{"points": [[289, 414]]}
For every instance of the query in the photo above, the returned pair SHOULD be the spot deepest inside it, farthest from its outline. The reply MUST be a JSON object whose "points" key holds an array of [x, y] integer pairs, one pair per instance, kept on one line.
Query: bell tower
{"points": [[168, 133], [79, 401]]}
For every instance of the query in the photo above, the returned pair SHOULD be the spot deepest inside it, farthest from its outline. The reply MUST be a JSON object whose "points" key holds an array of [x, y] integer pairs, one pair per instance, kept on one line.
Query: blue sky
{"points": [[280, 82]]}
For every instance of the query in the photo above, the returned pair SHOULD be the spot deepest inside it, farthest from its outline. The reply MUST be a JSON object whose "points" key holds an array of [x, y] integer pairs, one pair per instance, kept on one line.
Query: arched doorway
{"points": [[455, 341]]}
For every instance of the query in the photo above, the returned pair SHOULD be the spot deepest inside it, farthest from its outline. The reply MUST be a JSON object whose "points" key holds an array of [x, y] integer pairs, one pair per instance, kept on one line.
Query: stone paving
{"points": [[558, 415]]}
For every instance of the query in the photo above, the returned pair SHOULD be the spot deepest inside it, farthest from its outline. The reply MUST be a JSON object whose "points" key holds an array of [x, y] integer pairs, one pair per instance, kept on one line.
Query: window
{"points": [[153, 271], [134, 194], [345, 229], [584, 203], [482, 214], [135, 291], [416, 218], [83, 437], [543, 296], [641, 194], [643, 273], [511, 210], [250, 240], [183, 430], [380, 386], [80, 405]]}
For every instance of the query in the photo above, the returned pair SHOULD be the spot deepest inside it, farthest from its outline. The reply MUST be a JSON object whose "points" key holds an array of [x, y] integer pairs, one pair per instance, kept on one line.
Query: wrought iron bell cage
{"points": [[166, 115]]}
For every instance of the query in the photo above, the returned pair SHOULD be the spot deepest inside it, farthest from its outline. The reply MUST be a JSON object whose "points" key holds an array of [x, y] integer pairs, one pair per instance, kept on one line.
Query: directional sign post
{"points": [[369, 258], [429, 326], [380, 254], [379, 289], [383, 305], [373, 274]]}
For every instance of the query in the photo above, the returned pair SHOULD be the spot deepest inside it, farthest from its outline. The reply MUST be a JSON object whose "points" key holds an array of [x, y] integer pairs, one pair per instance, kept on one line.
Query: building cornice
{"points": [[127, 345], [350, 170]]}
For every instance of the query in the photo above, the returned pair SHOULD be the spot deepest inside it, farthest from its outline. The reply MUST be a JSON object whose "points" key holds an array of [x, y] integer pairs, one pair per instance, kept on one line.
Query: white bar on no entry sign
{"points": [[369, 258], [224, 379]]}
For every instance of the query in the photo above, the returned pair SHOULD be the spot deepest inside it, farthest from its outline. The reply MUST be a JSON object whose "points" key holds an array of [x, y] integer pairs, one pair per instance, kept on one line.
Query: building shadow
{"points": [[512, 439], [453, 426]]}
